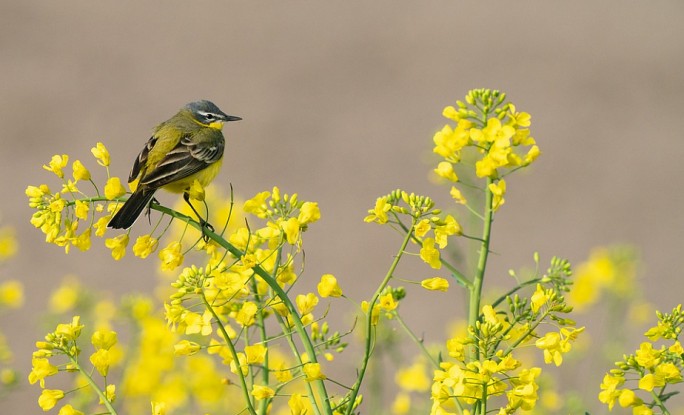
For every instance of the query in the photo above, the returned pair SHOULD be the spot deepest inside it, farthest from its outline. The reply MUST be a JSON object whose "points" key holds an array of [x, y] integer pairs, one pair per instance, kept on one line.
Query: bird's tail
{"points": [[130, 211]]}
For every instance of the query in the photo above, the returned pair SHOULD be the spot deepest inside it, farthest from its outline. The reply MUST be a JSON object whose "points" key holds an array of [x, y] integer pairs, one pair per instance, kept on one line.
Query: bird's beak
{"points": [[228, 118]]}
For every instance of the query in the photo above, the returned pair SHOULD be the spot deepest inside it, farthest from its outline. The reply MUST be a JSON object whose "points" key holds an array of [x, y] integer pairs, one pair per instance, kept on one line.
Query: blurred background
{"points": [[339, 103]]}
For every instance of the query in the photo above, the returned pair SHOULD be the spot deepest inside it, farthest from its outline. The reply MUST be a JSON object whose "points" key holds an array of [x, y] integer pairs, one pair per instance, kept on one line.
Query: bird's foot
{"points": [[206, 226], [148, 209]]}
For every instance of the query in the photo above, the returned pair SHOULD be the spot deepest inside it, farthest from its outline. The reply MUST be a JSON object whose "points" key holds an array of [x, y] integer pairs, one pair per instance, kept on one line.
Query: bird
{"points": [[186, 147]]}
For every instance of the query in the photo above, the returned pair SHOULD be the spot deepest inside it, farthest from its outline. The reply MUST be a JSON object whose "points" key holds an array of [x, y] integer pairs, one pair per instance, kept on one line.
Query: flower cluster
{"points": [[430, 228], [60, 214], [654, 369], [62, 343], [224, 306], [495, 130], [485, 366]]}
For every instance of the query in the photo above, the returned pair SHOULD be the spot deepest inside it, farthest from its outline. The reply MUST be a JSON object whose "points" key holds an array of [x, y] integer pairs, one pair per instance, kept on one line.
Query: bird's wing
{"points": [[188, 157], [141, 160]]}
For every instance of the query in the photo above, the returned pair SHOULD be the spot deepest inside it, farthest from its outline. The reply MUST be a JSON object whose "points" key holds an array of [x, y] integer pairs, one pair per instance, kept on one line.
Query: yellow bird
{"points": [[187, 147]]}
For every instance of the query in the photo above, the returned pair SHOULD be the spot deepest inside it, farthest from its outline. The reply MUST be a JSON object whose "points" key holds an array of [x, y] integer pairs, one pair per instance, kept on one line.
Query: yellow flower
{"points": [[256, 354], [70, 331], [242, 362], [57, 163], [642, 410], [422, 228], [101, 154], [401, 404], [82, 241], [101, 360], [262, 392], [457, 196], [297, 404], [291, 229], [69, 410], [379, 212], [113, 188], [80, 171], [246, 314], [8, 243], [449, 227], [312, 371], [309, 213], [257, 205], [144, 246], [49, 398], [306, 303], [553, 346], [387, 302], [609, 389], [649, 382], [446, 170], [118, 245], [196, 191], [103, 339], [413, 378], [646, 356], [41, 368], [11, 294], [186, 348], [524, 393], [81, 209], [100, 225], [328, 286], [531, 155], [628, 398], [196, 324], [430, 254], [375, 317], [110, 393], [498, 191], [171, 256], [435, 284], [539, 298]]}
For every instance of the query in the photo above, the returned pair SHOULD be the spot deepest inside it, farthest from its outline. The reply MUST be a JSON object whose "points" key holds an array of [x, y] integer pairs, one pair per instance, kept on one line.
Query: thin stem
{"points": [[458, 275], [656, 399], [514, 290], [476, 288], [418, 341], [233, 352], [368, 347], [296, 318], [93, 385]]}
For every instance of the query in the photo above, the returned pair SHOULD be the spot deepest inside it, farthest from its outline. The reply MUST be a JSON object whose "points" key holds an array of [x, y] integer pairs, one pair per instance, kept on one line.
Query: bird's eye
{"points": [[209, 116]]}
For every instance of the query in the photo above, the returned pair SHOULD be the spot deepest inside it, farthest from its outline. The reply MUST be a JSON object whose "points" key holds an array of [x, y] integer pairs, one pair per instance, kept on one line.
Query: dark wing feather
{"points": [[141, 160], [186, 158]]}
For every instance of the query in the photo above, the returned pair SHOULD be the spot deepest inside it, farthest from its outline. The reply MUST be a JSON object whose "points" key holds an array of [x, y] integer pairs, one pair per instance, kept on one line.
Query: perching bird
{"points": [[186, 147]]}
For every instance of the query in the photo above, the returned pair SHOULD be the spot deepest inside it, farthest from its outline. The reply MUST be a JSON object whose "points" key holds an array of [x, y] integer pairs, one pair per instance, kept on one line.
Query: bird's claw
{"points": [[206, 226]]}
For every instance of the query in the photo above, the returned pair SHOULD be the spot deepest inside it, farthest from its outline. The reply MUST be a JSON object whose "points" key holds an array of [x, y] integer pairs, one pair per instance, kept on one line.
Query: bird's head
{"points": [[207, 113]]}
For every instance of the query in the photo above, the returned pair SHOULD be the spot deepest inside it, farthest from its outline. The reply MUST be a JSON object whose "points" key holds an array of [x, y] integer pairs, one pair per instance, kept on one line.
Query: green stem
{"points": [[263, 404], [368, 347], [93, 385], [475, 293], [661, 405], [296, 318], [233, 352], [298, 355], [419, 342], [514, 290], [458, 275]]}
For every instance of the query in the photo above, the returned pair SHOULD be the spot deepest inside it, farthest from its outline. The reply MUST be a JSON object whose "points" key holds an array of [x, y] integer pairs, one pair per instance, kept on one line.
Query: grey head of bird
{"points": [[207, 112]]}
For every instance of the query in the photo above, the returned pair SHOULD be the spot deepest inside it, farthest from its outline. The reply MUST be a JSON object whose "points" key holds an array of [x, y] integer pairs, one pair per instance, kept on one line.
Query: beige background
{"points": [[340, 101]]}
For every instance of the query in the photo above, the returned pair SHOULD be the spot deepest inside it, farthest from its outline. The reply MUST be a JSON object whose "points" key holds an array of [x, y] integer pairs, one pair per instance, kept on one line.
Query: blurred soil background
{"points": [[339, 103]]}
